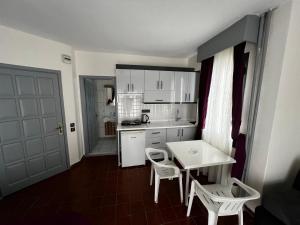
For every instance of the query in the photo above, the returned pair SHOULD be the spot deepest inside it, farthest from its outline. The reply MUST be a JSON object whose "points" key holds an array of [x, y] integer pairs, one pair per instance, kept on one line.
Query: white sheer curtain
{"points": [[217, 129]]}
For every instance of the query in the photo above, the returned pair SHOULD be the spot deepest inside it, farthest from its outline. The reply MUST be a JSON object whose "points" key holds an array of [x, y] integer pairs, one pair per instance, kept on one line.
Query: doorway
{"points": [[99, 115]]}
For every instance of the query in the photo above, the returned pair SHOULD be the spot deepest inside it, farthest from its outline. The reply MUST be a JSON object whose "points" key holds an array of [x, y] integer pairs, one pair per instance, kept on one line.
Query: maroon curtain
{"points": [[205, 80], [239, 140]]}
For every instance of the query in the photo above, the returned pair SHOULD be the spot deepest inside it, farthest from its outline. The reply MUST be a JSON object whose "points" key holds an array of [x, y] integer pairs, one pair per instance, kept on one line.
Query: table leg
{"points": [[187, 184]]}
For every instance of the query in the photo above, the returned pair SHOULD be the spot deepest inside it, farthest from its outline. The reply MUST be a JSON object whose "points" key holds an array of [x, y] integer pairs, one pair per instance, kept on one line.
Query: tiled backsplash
{"points": [[130, 107]]}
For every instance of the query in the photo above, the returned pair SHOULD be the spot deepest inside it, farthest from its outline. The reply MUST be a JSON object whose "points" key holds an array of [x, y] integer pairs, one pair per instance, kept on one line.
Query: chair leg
{"points": [[212, 218], [241, 217], [192, 195], [180, 188], [151, 175], [157, 181]]}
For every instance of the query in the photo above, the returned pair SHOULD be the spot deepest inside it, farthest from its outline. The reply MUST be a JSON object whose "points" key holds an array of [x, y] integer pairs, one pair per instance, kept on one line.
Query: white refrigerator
{"points": [[132, 148]]}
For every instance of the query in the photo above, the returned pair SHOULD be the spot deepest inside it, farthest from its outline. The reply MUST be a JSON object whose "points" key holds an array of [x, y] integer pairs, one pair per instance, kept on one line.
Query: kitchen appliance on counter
{"points": [[133, 148], [145, 117], [134, 122]]}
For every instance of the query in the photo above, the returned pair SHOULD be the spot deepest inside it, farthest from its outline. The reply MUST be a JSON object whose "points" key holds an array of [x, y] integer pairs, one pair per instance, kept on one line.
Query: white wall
{"points": [[284, 147], [104, 64], [20, 48], [192, 62], [276, 143]]}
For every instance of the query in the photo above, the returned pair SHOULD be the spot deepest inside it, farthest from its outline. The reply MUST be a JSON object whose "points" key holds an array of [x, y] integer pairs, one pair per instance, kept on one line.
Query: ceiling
{"points": [[170, 28]]}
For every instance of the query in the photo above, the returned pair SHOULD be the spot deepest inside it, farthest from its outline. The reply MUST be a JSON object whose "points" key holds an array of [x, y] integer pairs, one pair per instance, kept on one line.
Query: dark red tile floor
{"points": [[97, 192]]}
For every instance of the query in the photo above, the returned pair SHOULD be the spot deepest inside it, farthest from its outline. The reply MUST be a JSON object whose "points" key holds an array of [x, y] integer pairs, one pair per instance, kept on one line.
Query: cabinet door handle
{"points": [[161, 84], [157, 85], [182, 132], [158, 100], [128, 87], [189, 97], [132, 87], [155, 143], [155, 132], [185, 95]]}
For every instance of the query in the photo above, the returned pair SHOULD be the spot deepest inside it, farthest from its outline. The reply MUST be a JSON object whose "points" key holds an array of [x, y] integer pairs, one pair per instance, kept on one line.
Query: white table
{"points": [[197, 154]]}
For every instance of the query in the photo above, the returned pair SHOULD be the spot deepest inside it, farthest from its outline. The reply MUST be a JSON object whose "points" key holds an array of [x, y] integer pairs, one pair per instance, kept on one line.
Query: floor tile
{"points": [[98, 192]]}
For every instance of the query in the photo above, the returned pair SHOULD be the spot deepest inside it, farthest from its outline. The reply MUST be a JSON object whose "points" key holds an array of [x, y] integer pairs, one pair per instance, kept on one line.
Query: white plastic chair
{"points": [[219, 200], [164, 169]]}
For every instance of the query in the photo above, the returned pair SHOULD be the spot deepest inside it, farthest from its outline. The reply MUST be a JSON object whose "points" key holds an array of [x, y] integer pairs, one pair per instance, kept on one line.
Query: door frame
{"points": [[83, 105], [58, 73]]}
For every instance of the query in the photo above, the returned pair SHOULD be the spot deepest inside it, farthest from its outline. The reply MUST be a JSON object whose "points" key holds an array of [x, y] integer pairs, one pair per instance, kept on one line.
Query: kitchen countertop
{"points": [[157, 125]]}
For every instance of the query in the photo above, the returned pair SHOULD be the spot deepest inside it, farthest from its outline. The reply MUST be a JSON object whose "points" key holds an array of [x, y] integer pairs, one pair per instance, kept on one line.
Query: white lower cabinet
{"points": [[156, 138], [181, 134], [188, 133], [133, 143]]}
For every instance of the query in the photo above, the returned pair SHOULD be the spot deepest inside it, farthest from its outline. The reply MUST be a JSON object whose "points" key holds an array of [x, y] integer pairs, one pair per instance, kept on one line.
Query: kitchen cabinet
{"points": [[152, 82], [159, 86], [166, 79], [130, 81], [159, 96], [159, 80], [185, 83], [188, 133], [156, 138], [181, 134]]}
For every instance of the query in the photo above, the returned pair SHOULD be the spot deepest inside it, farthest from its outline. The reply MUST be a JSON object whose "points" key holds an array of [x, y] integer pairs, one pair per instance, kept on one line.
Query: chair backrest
{"points": [[161, 164], [150, 151], [229, 205]]}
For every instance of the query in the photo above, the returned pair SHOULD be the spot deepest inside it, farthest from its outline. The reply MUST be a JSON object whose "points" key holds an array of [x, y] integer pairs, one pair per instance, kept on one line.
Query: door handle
{"points": [[155, 132], [182, 132], [128, 87], [60, 129], [185, 95], [161, 84], [155, 143], [189, 97], [158, 100]]}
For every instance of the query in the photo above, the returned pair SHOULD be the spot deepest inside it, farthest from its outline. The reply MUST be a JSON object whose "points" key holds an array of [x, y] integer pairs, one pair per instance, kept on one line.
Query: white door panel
{"points": [[167, 80], [123, 81], [152, 82], [137, 81]]}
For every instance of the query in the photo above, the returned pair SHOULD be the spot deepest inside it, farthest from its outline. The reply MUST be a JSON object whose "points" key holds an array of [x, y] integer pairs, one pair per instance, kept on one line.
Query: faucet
{"points": [[177, 115]]}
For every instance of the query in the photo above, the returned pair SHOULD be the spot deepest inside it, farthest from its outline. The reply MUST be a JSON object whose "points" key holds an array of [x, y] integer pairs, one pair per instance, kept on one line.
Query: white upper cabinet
{"points": [[130, 81], [185, 83], [191, 87], [137, 81], [152, 82], [159, 86], [179, 89], [167, 80], [123, 81]]}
